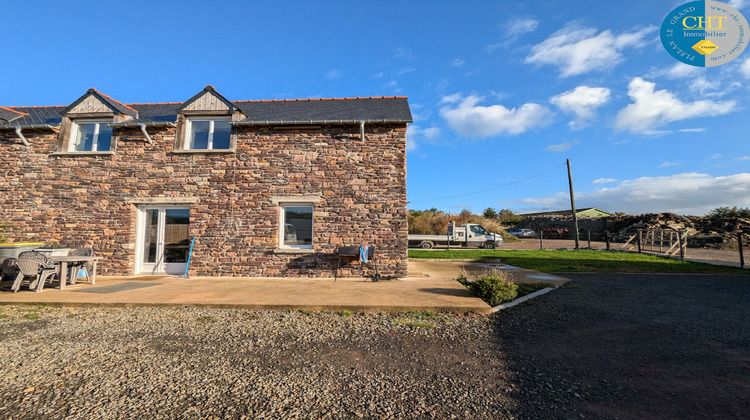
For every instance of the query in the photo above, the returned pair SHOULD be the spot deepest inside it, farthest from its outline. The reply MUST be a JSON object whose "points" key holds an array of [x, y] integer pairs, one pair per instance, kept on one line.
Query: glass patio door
{"points": [[163, 239]]}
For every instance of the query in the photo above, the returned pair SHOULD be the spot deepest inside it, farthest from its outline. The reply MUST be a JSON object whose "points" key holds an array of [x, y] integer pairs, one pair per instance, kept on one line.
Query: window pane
{"points": [[176, 240], [222, 132], [199, 134], [152, 223], [85, 137], [105, 138], [298, 223]]}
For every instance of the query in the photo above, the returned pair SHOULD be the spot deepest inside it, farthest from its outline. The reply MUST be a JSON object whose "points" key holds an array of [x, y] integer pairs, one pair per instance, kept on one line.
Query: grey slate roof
{"points": [[7, 114], [384, 109], [287, 112]]}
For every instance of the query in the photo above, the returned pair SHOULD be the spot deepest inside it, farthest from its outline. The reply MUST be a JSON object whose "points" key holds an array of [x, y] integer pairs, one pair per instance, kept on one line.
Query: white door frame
{"points": [[159, 266]]}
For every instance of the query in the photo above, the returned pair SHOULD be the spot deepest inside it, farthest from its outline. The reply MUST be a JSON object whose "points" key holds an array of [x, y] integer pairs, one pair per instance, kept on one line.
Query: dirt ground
{"points": [[729, 257]]}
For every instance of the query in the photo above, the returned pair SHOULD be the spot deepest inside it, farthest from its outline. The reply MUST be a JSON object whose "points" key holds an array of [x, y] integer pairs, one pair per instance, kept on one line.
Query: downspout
{"points": [[145, 133], [20, 136], [362, 129]]}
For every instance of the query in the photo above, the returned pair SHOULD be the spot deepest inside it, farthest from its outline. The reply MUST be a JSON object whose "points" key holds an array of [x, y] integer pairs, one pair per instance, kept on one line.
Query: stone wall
{"points": [[92, 200]]}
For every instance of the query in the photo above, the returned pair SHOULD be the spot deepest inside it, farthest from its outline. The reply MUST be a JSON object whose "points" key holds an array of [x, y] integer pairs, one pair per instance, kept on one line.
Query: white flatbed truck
{"points": [[466, 235]]}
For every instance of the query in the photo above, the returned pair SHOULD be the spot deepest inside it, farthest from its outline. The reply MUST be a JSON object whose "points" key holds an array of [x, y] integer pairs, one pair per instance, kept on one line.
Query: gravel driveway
{"points": [[604, 346]]}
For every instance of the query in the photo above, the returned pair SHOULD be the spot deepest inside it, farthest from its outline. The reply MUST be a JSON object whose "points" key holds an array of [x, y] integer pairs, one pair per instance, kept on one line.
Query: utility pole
{"points": [[573, 205]]}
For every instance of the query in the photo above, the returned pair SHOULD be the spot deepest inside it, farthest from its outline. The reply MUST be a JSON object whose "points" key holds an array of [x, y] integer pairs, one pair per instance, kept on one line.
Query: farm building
{"points": [[264, 187]]}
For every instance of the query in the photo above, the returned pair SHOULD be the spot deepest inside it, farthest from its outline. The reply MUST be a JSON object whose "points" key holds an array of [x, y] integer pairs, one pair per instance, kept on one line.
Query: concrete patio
{"points": [[431, 286]]}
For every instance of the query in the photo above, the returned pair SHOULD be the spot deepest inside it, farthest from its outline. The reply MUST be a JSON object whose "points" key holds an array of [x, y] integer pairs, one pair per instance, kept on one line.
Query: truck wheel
{"points": [[426, 245], [489, 245]]}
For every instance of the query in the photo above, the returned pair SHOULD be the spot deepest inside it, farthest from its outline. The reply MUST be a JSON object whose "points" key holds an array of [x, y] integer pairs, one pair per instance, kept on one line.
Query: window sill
{"points": [[293, 251], [107, 153], [202, 151]]}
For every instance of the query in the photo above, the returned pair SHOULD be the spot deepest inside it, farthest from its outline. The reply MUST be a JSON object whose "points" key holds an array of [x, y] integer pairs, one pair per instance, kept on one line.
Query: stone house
{"points": [[265, 187]]}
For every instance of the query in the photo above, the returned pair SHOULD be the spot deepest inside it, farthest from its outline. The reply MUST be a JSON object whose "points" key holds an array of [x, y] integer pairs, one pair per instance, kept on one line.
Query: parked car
{"points": [[555, 233], [522, 233]]}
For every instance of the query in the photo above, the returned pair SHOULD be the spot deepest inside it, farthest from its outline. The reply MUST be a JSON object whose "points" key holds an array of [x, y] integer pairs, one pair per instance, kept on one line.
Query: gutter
{"points": [[31, 127], [136, 124], [315, 122]]}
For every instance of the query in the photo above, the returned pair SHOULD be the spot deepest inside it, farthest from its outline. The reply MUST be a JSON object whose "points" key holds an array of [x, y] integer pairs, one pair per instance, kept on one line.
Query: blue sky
{"points": [[502, 92]]}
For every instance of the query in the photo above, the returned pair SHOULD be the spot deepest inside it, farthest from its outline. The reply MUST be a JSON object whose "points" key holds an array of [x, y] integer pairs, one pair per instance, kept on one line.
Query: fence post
{"points": [[638, 239], [682, 248], [541, 239], [589, 233], [606, 235], [739, 244]]}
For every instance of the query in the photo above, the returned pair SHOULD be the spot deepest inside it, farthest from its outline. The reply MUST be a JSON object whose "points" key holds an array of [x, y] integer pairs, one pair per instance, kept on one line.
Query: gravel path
{"points": [[604, 346]]}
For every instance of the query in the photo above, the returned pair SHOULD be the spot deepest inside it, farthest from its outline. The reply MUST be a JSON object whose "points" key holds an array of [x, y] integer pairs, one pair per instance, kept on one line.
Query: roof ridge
{"points": [[39, 106], [157, 103], [113, 100], [322, 99], [13, 110], [242, 101]]}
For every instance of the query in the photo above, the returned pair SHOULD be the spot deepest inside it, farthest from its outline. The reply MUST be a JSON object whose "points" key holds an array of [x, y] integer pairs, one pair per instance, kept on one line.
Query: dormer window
{"points": [[208, 133], [90, 136]]}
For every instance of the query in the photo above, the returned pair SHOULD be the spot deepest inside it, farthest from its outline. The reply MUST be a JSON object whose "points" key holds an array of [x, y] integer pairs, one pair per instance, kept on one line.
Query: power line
{"points": [[491, 188]]}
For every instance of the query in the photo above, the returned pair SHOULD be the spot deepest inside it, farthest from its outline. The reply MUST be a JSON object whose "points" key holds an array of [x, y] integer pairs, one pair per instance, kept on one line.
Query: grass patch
{"points": [[345, 313], [32, 315], [564, 261], [422, 314], [414, 324], [207, 318]]}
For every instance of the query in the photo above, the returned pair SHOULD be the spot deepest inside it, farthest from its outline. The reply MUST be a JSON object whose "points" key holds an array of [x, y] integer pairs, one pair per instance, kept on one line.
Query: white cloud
{"points": [[582, 103], [686, 193], [405, 70], [334, 74], [692, 130], [737, 4], [469, 119], [745, 68], [742, 158], [416, 134], [561, 147], [521, 26], [683, 71], [403, 52], [716, 156], [513, 30], [653, 108], [604, 181], [457, 62], [575, 50], [668, 164]]}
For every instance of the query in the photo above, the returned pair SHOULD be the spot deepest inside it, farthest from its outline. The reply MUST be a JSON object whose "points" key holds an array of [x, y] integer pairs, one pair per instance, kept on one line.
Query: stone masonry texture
{"points": [[92, 200]]}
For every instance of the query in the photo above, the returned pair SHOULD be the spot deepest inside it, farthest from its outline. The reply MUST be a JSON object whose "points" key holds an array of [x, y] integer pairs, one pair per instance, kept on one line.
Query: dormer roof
{"points": [[95, 101], [207, 100]]}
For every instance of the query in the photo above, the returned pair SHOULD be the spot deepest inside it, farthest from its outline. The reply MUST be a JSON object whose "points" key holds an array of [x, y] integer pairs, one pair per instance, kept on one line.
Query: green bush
{"points": [[494, 289]]}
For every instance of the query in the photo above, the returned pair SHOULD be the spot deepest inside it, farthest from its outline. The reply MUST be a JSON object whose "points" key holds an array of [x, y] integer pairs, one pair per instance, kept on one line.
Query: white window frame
{"points": [[210, 143], [74, 129], [282, 224]]}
